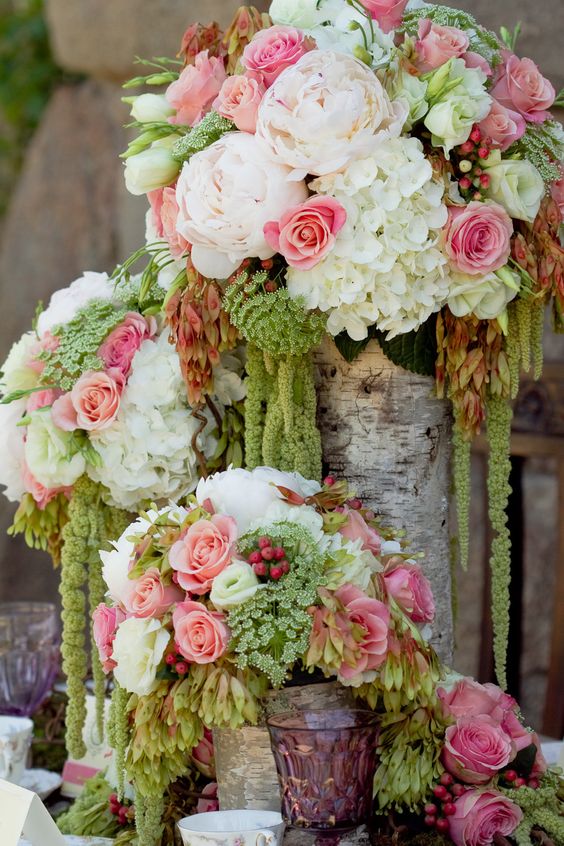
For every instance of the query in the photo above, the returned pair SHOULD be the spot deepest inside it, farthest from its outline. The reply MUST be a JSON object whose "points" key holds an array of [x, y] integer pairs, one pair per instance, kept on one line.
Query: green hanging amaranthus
{"points": [[461, 473]]}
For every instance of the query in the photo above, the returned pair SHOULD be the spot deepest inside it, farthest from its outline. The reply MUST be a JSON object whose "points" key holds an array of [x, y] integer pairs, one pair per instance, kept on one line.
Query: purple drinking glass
{"points": [[29, 655], [326, 762]]}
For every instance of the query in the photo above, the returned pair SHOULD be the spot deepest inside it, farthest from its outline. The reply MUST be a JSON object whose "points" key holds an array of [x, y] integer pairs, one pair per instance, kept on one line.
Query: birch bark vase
{"points": [[385, 432]]}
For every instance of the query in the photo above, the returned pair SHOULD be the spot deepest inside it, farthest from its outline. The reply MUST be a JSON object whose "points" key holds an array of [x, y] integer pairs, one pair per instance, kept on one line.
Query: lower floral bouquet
{"points": [[264, 575]]}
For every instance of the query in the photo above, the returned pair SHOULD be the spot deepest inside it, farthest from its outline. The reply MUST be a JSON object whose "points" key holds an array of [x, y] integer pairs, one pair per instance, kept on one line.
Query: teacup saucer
{"points": [[42, 782]]}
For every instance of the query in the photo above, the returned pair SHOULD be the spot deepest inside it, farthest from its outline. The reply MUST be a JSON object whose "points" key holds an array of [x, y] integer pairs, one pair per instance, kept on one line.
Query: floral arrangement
{"points": [[362, 169], [265, 575]]}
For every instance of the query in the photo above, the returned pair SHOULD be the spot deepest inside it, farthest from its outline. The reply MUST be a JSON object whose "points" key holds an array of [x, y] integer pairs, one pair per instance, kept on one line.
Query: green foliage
{"points": [[230, 435], [543, 145], [482, 41], [541, 808], [162, 72], [414, 351], [225, 696], [211, 128], [89, 815], [144, 294], [510, 38], [41, 528]]}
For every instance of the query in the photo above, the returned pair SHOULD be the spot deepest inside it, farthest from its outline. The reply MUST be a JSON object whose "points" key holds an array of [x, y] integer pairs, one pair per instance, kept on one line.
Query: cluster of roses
{"points": [[319, 109]]}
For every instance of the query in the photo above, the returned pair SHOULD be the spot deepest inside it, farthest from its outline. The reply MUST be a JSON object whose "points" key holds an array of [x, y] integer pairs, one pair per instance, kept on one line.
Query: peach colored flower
{"points": [[521, 86], [92, 404], [123, 342], [179, 246], [476, 748], [387, 13], [437, 44], [357, 528], [477, 237], [502, 126], [239, 99], [203, 552], [273, 50], [373, 616], [147, 596], [41, 399], [480, 815], [105, 622], [306, 233], [156, 203], [201, 636], [196, 88], [412, 592]]}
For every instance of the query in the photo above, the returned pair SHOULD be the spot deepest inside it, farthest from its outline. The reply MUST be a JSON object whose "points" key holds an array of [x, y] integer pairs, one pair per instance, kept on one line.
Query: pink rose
{"points": [[521, 86], [476, 748], [373, 616], [123, 342], [203, 552], [203, 757], [474, 60], [477, 237], [273, 50], [105, 622], [201, 636], [238, 100], [412, 592], [306, 233], [156, 202], [502, 126], [179, 246], [514, 728], [437, 44], [540, 764], [480, 815], [387, 13], [42, 496], [196, 88], [209, 801], [42, 399], [469, 698], [48, 343], [356, 528], [92, 404], [148, 597]]}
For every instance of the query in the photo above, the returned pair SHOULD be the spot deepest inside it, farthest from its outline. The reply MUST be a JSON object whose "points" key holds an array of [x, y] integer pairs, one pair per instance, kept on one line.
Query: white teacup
{"points": [[233, 828], [15, 740]]}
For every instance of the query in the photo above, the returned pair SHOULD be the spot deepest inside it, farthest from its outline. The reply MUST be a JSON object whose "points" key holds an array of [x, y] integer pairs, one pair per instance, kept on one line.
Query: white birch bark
{"points": [[384, 431]]}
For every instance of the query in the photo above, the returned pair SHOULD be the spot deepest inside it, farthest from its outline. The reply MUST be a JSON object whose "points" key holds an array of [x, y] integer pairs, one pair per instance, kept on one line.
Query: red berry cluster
{"points": [[268, 561], [513, 779], [473, 181], [177, 663], [437, 813], [124, 813]]}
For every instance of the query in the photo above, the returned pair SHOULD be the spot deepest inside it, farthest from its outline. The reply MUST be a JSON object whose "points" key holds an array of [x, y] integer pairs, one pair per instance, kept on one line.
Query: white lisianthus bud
{"points": [[151, 108], [153, 168]]}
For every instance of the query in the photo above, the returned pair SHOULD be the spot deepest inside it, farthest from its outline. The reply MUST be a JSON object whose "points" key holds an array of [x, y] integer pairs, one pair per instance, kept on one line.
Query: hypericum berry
{"points": [[442, 825], [510, 775], [369, 515], [267, 263], [465, 166], [441, 792], [276, 572], [264, 541], [329, 481], [449, 808], [431, 810], [467, 147], [533, 783], [259, 568], [520, 782], [285, 566], [279, 553], [267, 553], [465, 183], [122, 815], [181, 668], [113, 798], [483, 152], [446, 779], [271, 286], [430, 821], [477, 195], [255, 557], [485, 180], [476, 135], [170, 659], [355, 503], [457, 789]]}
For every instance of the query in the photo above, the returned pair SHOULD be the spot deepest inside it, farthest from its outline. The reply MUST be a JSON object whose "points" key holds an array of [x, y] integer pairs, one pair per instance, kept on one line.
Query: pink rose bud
{"points": [[437, 44], [238, 100], [123, 342], [412, 592], [502, 126], [196, 88], [274, 49], [520, 86], [480, 815], [306, 233], [201, 635], [387, 13], [477, 237]]}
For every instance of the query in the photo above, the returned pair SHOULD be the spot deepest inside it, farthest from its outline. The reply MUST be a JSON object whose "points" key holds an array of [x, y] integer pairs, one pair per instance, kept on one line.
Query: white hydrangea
{"points": [[386, 267], [147, 453], [12, 450]]}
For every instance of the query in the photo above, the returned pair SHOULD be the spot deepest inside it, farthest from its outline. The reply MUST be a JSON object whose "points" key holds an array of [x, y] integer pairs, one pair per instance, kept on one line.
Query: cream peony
{"points": [[51, 454], [234, 585], [16, 375], [65, 303], [323, 112], [386, 267], [516, 185], [12, 450], [138, 649], [485, 296], [225, 195]]}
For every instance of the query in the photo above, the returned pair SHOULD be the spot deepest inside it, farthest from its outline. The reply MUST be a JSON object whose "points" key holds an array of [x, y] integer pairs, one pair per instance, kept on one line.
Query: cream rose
{"points": [[485, 296], [235, 585], [324, 111], [516, 185], [225, 195], [138, 649]]}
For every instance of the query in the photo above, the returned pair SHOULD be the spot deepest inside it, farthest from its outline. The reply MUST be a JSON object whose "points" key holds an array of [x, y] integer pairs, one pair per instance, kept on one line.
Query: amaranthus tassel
{"points": [[462, 488]]}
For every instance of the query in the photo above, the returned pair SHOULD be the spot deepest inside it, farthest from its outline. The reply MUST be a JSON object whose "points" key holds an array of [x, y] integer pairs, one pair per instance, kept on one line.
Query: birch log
{"points": [[384, 431]]}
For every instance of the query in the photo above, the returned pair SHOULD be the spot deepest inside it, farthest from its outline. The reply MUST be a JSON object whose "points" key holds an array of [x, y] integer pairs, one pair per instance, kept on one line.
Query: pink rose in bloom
{"points": [[201, 636], [477, 237], [105, 622], [521, 86], [480, 815], [540, 765], [387, 13], [273, 50], [202, 755], [374, 618], [156, 202], [148, 597], [42, 496], [502, 126], [169, 213], [42, 399], [469, 698], [203, 552], [209, 801], [514, 728], [412, 592], [48, 343], [92, 404], [437, 44], [476, 748], [238, 100], [474, 60], [356, 528], [306, 233], [196, 88], [123, 342]]}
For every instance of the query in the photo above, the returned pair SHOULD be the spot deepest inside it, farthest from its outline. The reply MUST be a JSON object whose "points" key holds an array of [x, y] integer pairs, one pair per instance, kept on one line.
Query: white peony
{"points": [[485, 296], [147, 453], [151, 108], [225, 195], [304, 14], [234, 585], [16, 373], [12, 449], [50, 453], [345, 29], [386, 267], [516, 185], [152, 168], [65, 303], [459, 100], [246, 495], [323, 112], [138, 649]]}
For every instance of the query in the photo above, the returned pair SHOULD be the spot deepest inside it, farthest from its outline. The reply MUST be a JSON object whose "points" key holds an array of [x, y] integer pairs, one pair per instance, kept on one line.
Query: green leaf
{"points": [[348, 348], [414, 351]]}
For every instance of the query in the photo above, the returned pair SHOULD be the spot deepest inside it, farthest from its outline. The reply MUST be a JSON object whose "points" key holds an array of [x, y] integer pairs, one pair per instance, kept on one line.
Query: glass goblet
{"points": [[326, 762]]}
